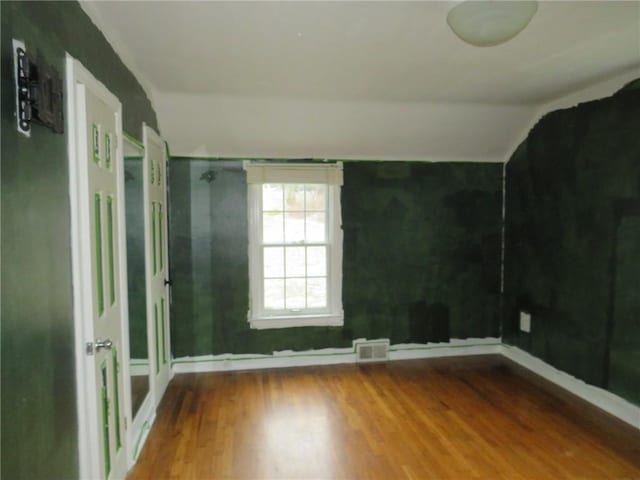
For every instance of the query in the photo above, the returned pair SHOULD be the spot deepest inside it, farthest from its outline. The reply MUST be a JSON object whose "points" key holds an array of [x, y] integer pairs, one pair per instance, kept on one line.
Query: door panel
{"points": [[99, 130], [155, 195]]}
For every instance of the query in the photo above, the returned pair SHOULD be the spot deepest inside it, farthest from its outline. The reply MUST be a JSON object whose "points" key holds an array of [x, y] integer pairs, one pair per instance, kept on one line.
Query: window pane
{"points": [[316, 227], [295, 293], [272, 196], [315, 198], [316, 261], [274, 294], [316, 292], [295, 262], [294, 227], [294, 197], [273, 262], [272, 227]]}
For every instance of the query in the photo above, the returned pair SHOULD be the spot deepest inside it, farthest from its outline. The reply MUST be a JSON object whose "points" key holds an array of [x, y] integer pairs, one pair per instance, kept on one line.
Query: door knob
{"points": [[106, 344]]}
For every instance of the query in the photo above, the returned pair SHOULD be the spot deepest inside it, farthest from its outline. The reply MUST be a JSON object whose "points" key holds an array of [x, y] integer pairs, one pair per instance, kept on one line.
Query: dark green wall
{"points": [[39, 427], [572, 237], [421, 256]]}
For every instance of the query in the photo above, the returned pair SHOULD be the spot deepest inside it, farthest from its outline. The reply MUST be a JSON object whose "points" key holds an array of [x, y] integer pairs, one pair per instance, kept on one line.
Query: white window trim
{"points": [[329, 174]]}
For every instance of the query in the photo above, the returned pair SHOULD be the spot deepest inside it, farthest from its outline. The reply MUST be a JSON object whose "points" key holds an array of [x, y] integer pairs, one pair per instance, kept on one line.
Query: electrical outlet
{"points": [[525, 322]]}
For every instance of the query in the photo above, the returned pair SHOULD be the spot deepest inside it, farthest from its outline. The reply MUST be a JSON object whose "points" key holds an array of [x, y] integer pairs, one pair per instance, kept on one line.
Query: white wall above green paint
{"points": [[358, 79]]}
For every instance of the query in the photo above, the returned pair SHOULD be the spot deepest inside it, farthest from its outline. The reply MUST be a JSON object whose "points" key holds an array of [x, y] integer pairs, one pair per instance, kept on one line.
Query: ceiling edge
{"points": [[601, 89], [88, 6]]}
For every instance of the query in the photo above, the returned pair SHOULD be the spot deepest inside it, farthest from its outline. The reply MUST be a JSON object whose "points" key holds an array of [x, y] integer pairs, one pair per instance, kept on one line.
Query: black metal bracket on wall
{"points": [[39, 92]]}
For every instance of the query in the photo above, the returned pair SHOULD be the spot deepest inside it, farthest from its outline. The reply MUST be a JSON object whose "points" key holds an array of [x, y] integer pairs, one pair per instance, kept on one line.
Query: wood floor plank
{"points": [[456, 418]]}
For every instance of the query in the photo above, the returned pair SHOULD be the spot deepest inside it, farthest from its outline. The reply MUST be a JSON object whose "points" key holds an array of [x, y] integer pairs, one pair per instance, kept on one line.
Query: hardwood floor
{"points": [[459, 418]]}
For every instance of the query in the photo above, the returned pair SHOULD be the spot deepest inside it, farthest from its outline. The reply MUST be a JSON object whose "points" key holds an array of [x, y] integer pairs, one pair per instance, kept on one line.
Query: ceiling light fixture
{"points": [[485, 23]]}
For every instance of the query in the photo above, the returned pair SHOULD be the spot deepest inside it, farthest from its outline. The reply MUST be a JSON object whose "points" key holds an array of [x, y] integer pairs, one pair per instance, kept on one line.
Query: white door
{"points": [[157, 270], [99, 253]]}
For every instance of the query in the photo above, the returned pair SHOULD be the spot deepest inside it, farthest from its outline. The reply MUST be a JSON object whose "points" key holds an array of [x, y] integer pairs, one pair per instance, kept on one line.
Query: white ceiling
{"points": [[317, 59]]}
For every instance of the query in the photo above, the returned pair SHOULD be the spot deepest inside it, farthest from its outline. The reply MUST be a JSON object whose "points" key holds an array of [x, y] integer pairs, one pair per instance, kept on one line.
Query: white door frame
{"points": [[88, 415]]}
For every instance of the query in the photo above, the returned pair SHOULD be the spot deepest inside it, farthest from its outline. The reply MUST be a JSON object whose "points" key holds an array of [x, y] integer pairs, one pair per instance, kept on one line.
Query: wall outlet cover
{"points": [[525, 322]]}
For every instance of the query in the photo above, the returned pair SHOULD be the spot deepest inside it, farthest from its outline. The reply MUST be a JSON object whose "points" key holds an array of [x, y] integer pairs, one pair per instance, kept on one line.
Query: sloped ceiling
{"points": [[380, 80]]}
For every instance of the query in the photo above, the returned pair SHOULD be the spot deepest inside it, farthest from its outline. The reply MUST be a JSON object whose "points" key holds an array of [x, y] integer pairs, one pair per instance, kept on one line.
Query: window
{"points": [[295, 244]]}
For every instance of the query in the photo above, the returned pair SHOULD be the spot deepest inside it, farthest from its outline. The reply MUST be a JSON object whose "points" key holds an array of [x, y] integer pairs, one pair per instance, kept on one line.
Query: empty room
{"points": [[320, 240]]}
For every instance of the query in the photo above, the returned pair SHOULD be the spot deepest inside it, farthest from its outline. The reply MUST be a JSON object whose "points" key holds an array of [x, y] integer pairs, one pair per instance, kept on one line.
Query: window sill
{"points": [[328, 320]]}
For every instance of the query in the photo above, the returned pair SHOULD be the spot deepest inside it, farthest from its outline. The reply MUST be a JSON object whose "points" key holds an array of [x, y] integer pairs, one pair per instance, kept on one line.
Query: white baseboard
{"points": [[603, 399], [286, 358], [331, 356], [599, 397], [452, 348]]}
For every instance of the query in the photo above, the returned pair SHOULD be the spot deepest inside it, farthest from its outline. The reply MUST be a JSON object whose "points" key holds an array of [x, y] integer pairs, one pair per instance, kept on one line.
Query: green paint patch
{"points": [[155, 321], [110, 252], [164, 339], [95, 143], [97, 207], [160, 235], [143, 430], [104, 396], [153, 237], [115, 368], [107, 151], [151, 172]]}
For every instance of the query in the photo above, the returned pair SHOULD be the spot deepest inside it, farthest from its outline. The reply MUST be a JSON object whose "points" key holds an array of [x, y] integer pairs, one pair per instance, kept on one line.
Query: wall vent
{"points": [[374, 351]]}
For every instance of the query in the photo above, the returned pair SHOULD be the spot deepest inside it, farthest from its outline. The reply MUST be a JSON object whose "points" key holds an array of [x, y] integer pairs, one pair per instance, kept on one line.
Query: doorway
{"points": [[94, 117]]}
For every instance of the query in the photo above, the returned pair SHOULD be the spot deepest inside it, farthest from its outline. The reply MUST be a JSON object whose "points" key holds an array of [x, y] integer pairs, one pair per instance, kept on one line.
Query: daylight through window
{"points": [[295, 244]]}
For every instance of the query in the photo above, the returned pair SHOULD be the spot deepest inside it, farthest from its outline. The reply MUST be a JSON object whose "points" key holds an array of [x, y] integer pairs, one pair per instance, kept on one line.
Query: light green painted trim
{"points": [[107, 150], [161, 244], [95, 143], [116, 396], [153, 236], [133, 140], [164, 338], [145, 427], [105, 419], [98, 246], [155, 319], [152, 171], [110, 254]]}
